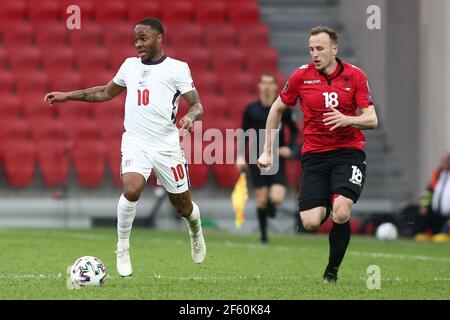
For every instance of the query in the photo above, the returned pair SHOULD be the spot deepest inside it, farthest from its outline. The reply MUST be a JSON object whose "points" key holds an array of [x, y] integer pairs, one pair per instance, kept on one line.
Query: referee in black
{"points": [[269, 189]]}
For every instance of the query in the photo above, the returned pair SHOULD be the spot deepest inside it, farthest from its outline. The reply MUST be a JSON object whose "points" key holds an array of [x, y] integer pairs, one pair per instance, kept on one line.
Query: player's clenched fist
{"points": [[186, 125], [265, 161], [54, 97]]}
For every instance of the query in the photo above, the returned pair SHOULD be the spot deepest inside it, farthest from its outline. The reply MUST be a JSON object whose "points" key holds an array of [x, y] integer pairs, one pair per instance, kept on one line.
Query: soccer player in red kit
{"points": [[333, 159]]}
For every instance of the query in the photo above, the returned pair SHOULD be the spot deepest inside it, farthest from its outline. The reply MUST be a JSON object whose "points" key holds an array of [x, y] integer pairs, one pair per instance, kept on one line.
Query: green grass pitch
{"points": [[34, 262]]}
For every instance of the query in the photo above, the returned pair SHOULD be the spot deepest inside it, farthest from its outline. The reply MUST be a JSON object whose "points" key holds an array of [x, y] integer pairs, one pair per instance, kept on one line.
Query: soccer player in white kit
{"points": [[154, 84]]}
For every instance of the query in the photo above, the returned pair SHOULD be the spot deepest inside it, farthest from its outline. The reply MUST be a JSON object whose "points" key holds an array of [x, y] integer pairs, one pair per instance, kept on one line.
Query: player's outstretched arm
{"points": [[195, 111], [94, 94], [272, 124]]}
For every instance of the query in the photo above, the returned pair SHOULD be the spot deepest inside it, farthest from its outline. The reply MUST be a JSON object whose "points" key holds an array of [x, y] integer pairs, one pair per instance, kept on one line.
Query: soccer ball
{"points": [[387, 232], [86, 271]]}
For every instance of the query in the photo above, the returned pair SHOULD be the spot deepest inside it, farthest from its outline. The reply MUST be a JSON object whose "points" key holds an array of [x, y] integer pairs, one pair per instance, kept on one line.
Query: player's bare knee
{"points": [[261, 202], [182, 203], [184, 209], [341, 214], [277, 198], [310, 224], [131, 193]]}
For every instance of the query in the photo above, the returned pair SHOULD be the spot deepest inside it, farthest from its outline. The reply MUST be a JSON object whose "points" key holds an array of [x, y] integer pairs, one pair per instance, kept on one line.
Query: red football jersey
{"points": [[346, 89]]}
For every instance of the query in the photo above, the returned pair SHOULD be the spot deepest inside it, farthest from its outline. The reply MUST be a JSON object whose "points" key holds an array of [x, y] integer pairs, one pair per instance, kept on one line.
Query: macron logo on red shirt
{"points": [[312, 81]]}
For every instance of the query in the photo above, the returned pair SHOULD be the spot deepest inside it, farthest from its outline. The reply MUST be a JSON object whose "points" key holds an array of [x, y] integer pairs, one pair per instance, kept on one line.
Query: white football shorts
{"points": [[170, 166]]}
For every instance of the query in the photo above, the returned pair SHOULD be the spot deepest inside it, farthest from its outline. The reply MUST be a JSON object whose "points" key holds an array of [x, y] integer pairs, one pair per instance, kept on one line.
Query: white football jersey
{"points": [[153, 92]]}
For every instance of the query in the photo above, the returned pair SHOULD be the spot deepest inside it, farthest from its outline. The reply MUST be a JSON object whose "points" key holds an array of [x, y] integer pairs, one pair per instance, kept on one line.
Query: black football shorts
{"points": [[259, 180], [327, 173]]}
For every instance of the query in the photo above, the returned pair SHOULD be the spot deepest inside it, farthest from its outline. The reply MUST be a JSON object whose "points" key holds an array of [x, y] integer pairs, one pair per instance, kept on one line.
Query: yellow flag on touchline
{"points": [[239, 198]]}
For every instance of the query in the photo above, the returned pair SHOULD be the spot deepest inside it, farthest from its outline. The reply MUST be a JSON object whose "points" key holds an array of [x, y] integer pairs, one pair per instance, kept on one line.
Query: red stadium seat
{"points": [[28, 58], [19, 162], [177, 11], [7, 82], [198, 58], [4, 59], [95, 59], [58, 60], [12, 11], [119, 28], [264, 61], [119, 56], [93, 78], [82, 129], [112, 129], [231, 60], [89, 162], [254, 36], [198, 175], [10, 106], [73, 111], [121, 39], [47, 129], [87, 129], [210, 12], [69, 81], [107, 11], [138, 10], [237, 104], [237, 83], [293, 172], [44, 11], [246, 13], [213, 106], [85, 38], [239, 2], [54, 160], [226, 175], [34, 106], [113, 160], [220, 37], [220, 123], [11, 129], [206, 82], [17, 35], [112, 109], [184, 34], [354, 225], [33, 81], [51, 34]]}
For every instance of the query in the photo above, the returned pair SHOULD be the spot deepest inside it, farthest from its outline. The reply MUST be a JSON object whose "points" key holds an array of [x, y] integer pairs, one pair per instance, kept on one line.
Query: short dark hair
{"points": [[154, 23], [268, 74], [324, 29]]}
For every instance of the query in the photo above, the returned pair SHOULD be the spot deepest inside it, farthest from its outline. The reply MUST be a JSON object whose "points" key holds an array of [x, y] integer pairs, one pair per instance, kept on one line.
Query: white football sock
{"points": [[126, 211], [193, 221]]}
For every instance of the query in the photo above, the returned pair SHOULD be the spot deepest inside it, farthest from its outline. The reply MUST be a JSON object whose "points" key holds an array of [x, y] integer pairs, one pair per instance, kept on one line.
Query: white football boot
{"points": [[124, 262], [198, 247]]}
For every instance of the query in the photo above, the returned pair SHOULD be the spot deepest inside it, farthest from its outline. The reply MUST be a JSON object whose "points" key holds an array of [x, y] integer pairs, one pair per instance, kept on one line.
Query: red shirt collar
{"points": [[338, 71]]}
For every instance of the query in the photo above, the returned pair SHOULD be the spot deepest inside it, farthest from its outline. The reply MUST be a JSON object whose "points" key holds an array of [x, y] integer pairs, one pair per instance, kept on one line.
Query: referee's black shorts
{"points": [[259, 180], [327, 173]]}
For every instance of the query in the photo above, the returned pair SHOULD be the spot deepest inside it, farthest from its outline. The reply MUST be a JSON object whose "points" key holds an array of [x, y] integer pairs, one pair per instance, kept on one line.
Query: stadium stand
{"points": [[215, 38]]}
